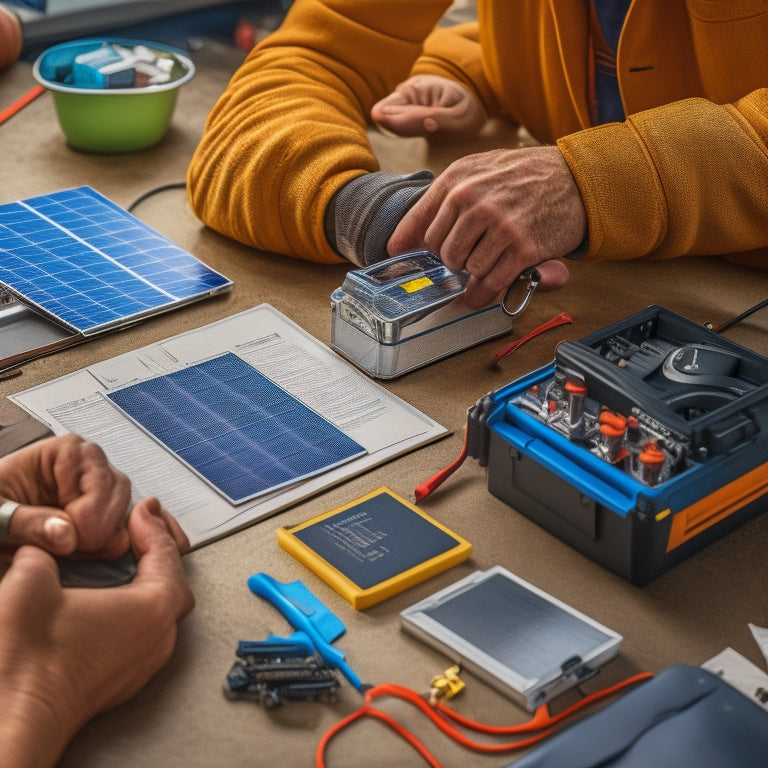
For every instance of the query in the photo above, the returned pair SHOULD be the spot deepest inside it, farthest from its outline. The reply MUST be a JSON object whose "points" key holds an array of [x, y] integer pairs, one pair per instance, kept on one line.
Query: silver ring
{"points": [[7, 508]]}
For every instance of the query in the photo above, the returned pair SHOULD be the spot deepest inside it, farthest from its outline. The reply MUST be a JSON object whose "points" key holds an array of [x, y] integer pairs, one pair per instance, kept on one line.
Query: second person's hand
{"points": [[71, 498]]}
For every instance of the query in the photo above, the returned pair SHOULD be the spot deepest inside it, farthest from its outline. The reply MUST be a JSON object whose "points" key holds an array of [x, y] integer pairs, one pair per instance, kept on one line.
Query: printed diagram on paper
{"points": [[382, 425]]}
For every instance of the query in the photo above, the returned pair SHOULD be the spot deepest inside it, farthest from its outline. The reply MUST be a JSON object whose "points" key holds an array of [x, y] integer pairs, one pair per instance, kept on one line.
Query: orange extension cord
{"points": [[541, 725]]}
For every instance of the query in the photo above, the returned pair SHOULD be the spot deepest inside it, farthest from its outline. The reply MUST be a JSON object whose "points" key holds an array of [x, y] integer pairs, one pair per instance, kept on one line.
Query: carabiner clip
{"points": [[533, 276]]}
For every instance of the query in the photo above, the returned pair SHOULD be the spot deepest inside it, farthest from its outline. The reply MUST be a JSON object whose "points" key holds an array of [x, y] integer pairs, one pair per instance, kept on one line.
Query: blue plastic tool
{"points": [[298, 644], [306, 613]]}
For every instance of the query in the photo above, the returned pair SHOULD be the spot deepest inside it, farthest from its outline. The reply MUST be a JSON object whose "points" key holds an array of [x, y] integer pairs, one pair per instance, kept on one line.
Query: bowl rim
{"points": [[52, 85]]}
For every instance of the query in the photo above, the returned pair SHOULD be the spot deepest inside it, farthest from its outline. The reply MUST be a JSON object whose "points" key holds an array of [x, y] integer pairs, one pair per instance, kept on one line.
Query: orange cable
{"points": [[21, 102], [367, 709], [440, 715], [542, 718]]}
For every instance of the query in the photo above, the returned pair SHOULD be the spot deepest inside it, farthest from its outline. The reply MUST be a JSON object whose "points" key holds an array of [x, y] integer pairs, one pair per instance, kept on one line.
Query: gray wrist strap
{"points": [[365, 211]]}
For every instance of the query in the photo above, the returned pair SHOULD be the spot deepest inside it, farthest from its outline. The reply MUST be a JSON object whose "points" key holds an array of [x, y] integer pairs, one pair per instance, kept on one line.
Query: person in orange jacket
{"points": [[652, 117]]}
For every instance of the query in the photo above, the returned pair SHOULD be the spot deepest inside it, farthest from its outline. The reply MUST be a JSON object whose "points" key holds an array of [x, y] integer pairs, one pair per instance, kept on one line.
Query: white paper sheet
{"points": [[761, 638], [741, 673], [382, 423]]}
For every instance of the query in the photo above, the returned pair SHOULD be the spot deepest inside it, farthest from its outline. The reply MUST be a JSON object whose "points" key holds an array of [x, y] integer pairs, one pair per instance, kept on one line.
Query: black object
{"points": [[639, 445], [279, 669], [85, 572]]}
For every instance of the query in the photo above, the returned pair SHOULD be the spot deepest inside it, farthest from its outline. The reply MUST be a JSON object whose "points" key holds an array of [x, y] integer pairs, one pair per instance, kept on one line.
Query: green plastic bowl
{"points": [[110, 120]]}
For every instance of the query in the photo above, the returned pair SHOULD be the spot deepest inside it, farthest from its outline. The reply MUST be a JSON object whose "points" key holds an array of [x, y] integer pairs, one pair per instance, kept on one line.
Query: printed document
{"points": [[383, 424]]}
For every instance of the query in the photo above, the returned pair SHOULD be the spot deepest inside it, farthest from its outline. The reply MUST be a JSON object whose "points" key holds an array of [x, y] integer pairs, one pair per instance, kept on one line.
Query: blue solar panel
{"points": [[235, 427], [80, 258]]}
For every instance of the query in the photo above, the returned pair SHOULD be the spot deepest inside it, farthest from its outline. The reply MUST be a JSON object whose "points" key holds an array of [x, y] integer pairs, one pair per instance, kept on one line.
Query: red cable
{"points": [[434, 482], [21, 102], [561, 319], [440, 714], [423, 490]]}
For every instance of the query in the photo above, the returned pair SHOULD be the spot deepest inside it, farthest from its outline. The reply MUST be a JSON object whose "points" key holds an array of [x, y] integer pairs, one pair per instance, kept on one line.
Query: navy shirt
{"points": [[607, 20]]}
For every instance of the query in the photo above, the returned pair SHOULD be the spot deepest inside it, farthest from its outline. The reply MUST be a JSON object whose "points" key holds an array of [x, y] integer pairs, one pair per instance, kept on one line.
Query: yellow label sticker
{"points": [[416, 285]]}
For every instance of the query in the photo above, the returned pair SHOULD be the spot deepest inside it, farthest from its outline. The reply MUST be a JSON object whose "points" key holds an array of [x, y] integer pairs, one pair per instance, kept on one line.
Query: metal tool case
{"points": [[407, 312], [638, 445]]}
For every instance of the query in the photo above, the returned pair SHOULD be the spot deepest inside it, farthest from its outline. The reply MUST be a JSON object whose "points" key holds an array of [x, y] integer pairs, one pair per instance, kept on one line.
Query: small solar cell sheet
{"points": [[524, 631], [79, 257], [235, 427]]}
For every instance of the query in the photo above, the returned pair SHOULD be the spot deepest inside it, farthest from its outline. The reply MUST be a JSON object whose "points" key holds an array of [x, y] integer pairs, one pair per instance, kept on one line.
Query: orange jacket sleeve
{"points": [[290, 128], [684, 178]]}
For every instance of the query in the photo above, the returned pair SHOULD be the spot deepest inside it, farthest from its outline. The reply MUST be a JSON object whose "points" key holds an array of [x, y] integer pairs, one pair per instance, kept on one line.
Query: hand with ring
{"points": [[63, 495]]}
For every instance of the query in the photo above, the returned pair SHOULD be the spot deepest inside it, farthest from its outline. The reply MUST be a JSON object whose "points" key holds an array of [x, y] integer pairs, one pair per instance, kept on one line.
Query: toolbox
{"points": [[638, 445]]}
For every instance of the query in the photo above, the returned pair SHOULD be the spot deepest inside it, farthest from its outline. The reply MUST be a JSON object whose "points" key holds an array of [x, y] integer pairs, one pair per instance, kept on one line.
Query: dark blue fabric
{"points": [[610, 16]]}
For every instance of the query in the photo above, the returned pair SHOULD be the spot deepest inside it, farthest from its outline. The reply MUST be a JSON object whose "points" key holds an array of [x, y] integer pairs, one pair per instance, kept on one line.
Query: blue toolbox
{"points": [[638, 445]]}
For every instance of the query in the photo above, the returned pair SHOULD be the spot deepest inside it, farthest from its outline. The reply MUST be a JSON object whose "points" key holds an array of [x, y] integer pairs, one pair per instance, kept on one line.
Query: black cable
{"points": [[746, 313], [149, 193]]}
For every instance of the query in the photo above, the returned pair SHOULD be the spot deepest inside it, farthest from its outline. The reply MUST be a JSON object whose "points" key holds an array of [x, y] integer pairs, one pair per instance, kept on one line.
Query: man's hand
{"points": [[427, 104], [72, 499], [496, 214], [67, 654]]}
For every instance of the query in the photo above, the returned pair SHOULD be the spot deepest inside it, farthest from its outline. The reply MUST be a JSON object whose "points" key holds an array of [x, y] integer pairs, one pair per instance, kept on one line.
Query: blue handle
{"points": [[305, 612]]}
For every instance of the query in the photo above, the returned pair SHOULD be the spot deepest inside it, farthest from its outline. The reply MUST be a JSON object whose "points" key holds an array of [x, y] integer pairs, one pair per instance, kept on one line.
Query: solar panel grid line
{"points": [[80, 310], [89, 238]]}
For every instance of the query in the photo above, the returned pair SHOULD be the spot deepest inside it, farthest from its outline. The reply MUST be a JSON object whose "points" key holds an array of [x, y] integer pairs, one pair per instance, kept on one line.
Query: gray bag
{"points": [[684, 716]]}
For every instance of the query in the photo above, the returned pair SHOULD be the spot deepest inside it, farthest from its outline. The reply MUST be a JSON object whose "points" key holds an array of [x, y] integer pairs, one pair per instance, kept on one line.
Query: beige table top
{"points": [[182, 719]]}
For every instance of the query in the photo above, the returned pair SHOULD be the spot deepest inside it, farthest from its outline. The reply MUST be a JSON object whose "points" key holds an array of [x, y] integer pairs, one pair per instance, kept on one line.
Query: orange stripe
{"points": [[691, 521]]}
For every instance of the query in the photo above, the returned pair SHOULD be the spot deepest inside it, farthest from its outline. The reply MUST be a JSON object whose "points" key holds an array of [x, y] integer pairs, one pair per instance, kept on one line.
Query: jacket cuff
{"points": [[621, 191]]}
